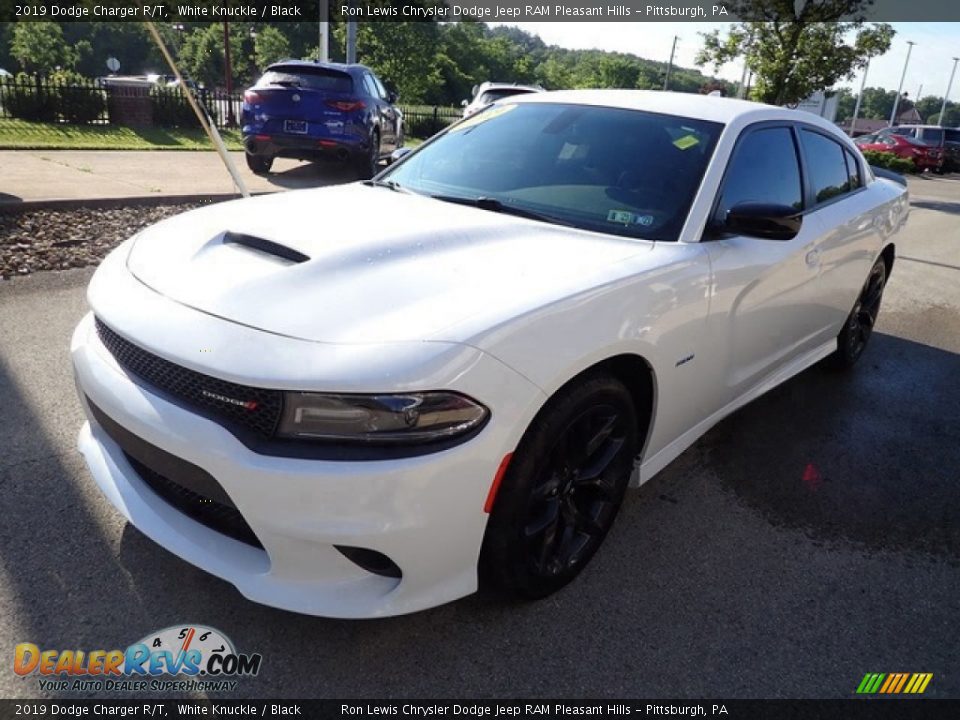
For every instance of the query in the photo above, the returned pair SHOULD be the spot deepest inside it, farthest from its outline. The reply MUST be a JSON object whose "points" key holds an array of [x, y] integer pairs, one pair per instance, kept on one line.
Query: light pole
{"points": [[178, 28], [896, 101], [666, 80], [943, 107], [856, 108], [323, 51]]}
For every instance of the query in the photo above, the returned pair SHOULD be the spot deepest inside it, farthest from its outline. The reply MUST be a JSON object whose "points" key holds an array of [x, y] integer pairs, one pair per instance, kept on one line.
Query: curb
{"points": [[13, 208]]}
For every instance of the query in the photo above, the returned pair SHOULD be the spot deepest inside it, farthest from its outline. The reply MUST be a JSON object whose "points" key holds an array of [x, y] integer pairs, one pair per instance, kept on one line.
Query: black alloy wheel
{"points": [[860, 323], [562, 490]]}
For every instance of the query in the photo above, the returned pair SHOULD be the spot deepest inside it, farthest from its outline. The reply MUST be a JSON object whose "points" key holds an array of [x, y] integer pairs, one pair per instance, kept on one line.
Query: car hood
{"points": [[368, 264]]}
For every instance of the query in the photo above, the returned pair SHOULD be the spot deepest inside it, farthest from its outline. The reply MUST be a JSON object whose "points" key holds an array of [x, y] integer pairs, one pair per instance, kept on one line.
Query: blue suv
{"points": [[315, 111]]}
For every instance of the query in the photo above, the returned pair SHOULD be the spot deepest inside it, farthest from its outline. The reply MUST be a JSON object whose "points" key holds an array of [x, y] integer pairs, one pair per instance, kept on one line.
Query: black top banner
{"points": [[913, 709], [457, 10]]}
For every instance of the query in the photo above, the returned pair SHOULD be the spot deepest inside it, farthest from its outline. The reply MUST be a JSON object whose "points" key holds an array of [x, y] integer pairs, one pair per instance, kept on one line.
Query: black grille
{"points": [[253, 408], [187, 487], [213, 514]]}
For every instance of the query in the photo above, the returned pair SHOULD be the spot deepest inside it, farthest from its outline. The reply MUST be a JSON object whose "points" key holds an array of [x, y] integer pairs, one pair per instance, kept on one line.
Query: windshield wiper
{"points": [[388, 184], [494, 205]]}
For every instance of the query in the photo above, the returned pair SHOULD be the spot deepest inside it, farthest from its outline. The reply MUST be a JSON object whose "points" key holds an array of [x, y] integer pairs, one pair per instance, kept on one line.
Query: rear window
{"points": [[313, 78], [932, 135], [952, 136]]}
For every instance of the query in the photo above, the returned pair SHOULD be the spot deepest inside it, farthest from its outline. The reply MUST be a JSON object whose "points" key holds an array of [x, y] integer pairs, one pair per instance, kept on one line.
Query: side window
{"points": [[368, 85], [827, 166], [853, 170], [764, 168], [381, 90]]}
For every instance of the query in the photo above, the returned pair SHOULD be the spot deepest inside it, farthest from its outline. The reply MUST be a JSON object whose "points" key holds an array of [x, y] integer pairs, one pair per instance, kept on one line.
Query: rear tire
{"points": [[852, 340], [562, 490], [259, 164], [368, 164]]}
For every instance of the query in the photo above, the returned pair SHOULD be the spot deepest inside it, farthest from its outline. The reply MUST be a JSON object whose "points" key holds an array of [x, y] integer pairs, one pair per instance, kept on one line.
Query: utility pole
{"points": [[666, 80], [856, 108], [323, 49], [351, 41], [228, 74], [943, 107], [896, 101]]}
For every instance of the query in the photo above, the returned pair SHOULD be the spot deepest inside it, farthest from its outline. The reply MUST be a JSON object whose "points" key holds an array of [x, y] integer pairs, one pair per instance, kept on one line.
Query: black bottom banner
{"points": [[892, 709]]}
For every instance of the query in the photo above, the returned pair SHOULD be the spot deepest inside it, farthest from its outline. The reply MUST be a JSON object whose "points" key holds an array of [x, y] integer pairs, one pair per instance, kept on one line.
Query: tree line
{"points": [[877, 104], [428, 63]]}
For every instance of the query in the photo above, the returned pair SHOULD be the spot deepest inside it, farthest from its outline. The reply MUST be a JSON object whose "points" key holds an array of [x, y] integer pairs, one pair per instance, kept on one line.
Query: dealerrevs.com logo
{"points": [[202, 657]]}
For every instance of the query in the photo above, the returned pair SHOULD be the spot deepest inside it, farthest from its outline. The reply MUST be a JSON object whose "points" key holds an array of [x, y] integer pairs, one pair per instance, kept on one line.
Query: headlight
{"points": [[404, 418]]}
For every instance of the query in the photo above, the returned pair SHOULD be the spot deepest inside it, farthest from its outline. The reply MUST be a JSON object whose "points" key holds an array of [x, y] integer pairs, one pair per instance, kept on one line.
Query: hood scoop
{"points": [[267, 247]]}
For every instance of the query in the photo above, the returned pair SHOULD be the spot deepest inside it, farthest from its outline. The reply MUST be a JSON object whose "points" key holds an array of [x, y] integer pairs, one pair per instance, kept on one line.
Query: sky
{"points": [[929, 67]]}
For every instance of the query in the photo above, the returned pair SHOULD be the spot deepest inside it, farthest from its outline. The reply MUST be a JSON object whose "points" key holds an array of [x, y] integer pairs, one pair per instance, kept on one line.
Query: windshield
{"points": [[314, 78], [617, 171]]}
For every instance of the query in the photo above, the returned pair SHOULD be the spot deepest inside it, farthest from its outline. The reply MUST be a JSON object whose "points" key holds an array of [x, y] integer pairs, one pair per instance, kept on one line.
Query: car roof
{"points": [[712, 108]]}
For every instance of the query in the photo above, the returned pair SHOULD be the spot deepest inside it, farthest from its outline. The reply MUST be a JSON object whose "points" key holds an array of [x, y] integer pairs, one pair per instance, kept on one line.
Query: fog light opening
{"points": [[371, 561]]}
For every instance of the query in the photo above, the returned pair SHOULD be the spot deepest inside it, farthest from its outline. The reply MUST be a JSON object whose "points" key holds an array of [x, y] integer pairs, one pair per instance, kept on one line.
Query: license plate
{"points": [[295, 126]]}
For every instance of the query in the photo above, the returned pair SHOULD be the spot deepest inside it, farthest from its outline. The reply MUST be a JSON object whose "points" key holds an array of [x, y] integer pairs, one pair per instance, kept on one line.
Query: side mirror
{"points": [[393, 96], [763, 220], [464, 103], [399, 154]]}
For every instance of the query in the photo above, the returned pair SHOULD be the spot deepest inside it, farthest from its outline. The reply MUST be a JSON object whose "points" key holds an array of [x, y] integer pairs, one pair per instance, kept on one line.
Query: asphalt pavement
{"points": [[810, 538]]}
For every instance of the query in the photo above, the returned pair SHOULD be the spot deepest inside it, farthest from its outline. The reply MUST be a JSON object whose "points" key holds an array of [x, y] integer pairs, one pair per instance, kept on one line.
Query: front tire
{"points": [[853, 339], [259, 164], [562, 490]]}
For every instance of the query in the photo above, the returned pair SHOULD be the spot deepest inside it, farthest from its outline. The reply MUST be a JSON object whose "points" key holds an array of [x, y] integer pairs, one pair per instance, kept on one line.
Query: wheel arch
{"points": [[639, 377]]}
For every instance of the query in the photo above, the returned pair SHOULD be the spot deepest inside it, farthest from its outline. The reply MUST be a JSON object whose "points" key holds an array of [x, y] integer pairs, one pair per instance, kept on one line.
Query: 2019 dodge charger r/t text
{"points": [[361, 418]]}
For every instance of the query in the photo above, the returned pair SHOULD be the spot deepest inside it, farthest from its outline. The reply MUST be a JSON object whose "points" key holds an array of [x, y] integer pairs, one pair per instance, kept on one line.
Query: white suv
{"points": [[490, 92]]}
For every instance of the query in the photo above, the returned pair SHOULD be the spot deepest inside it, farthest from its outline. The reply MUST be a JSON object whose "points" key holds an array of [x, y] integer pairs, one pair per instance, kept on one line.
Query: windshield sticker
{"points": [[482, 117], [686, 142], [645, 220], [624, 217]]}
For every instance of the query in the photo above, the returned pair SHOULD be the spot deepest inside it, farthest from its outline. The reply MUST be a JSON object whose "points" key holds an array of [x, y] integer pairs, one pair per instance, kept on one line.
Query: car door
{"points": [[839, 200], [765, 291]]}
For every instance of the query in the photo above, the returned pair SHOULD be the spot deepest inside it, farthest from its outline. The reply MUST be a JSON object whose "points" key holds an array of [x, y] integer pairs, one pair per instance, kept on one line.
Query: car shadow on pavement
{"points": [[868, 456], [937, 205], [309, 175]]}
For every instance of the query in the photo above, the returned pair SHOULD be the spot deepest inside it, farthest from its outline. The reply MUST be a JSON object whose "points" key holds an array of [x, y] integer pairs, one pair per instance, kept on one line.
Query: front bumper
{"points": [[425, 513]]}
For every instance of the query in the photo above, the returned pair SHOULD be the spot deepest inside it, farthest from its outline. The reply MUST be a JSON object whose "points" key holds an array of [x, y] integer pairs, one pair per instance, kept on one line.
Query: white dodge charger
{"points": [[371, 399]]}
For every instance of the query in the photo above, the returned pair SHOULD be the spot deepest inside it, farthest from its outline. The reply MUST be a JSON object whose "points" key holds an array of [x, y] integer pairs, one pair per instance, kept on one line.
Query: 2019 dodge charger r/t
{"points": [[361, 418]]}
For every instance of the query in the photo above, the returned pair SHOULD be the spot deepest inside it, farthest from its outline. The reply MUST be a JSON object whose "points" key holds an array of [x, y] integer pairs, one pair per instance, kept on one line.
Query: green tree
{"points": [[618, 72], [877, 103], [799, 47], [846, 102], [269, 46], [39, 47], [202, 55]]}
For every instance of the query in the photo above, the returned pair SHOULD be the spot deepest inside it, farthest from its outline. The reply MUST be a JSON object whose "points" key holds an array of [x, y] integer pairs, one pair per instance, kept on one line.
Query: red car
{"points": [[925, 155]]}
